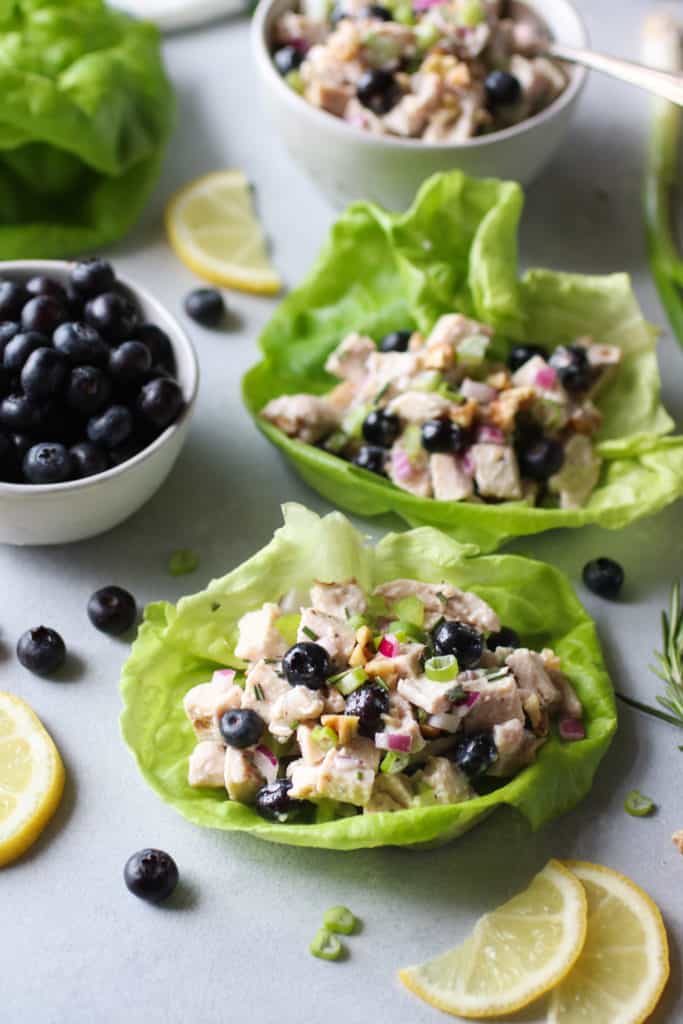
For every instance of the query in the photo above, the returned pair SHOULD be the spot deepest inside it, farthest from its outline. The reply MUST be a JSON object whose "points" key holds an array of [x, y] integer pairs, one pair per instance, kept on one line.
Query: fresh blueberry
{"points": [[47, 463], [41, 285], [368, 703], [81, 344], [395, 341], [372, 458], [381, 428], [505, 637], [206, 306], [378, 90], [7, 380], [378, 12], [44, 314], [18, 413], [88, 390], [12, 300], [44, 373], [20, 348], [502, 89], [160, 401], [274, 802], [572, 367], [158, 343], [92, 277], [41, 650], [465, 642], [121, 453], [151, 875], [241, 728], [521, 354], [8, 330], [112, 427], [112, 610], [87, 460], [21, 443], [129, 362], [475, 754], [287, 59], [444, 436], [8, 458], [306, 664], [541, 459], [113, 315], [604, 577]]}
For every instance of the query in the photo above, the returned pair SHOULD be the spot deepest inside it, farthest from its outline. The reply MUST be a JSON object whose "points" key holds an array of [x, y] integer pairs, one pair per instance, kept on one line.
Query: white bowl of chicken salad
{"points": [[373, 98]]}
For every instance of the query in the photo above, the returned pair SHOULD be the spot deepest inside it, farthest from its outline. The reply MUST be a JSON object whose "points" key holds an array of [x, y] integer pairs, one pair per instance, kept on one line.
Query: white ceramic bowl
{"points": [[61, 513], [348, 163]]}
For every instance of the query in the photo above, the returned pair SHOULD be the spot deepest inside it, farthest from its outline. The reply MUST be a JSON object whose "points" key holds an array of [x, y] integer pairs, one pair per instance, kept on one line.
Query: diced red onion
{"points": [[545, 378], [389, 646], [467, 463], [223, 675], [479, 392], [572, 729], [424, 5], [401, 464], [399, 742], [300, 44], [449, 723], [490, 435], [266, 762], [472, 698]]}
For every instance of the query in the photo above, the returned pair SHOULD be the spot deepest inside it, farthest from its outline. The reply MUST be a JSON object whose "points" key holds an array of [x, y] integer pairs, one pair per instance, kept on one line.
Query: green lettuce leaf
{"points": [[456, 249], [180, 646], [86, 113]]}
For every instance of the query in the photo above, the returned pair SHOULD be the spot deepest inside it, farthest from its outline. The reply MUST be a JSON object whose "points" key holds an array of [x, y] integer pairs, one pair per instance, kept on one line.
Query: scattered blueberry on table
{"points": [[112, 610], [151, 875], [206, 306], [604, 577], [41, 650]]}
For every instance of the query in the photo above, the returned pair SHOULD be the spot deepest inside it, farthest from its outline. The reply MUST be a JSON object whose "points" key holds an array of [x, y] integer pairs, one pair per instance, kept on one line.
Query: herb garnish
{"points": [[382, 392], [309, 633], [258, 692]]}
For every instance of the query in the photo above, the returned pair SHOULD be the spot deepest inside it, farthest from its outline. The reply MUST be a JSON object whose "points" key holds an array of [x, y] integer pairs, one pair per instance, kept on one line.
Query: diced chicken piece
{"points": [[329, 96], [419, 406], [348, 773], [453, 328], [541, 80], [342, 600], [292, 28], [496, 471], [344, 43], [361, 117], [516, 748], [304, 778], [299, 704], [262, 690], [441, 125], [503, 410], [450, 785], [390, 793], [472, 115], [406, 665], [259, 636], [604, 357], [311, 753], [570, 704], [207, 765], [204, 705], [579, 474], [334, 702], [411, 114], [390, 373], [525, 376], [426, 694], [348, 361], [498, 702], [450, 482], [442, 600], [304, 416], [529, 35], [337, 637], [242, 778], [410, 473], [531, 674], [401, 720]]}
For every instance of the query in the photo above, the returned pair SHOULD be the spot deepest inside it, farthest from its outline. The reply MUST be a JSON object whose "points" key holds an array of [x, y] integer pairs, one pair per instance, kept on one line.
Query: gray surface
{"points": [[74, 946]]}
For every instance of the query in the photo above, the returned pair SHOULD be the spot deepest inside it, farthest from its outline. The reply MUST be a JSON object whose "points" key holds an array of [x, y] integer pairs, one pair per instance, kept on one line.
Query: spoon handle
{"points": [[662, 83]]}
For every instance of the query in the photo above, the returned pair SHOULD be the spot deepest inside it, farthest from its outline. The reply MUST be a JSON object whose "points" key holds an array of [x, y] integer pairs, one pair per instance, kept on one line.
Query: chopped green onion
{"points": [[428, 381], [324, 737], [336, 442], [294, 80], [471, 13], [347, 682], [426, 35], [403, 13], [326, 946], [288, 627], [183, 562], [637, 805], [443, 669], [410, 609], [404, 631], [356, 621], [340, 919], [426, 797], [352, 424], [393, 763], [309, 633]]}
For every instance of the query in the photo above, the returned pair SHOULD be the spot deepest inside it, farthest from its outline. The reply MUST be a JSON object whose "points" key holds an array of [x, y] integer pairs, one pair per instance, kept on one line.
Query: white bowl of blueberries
{"points": [[97, 386]]}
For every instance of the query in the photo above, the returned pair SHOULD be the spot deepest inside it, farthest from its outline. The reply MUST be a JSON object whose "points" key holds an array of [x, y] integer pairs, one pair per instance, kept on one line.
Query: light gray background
{"points": [[75, 947]]}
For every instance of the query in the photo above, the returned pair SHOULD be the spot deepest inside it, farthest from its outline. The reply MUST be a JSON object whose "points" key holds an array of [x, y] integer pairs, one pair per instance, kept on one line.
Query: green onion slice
{"points": [[349, 681], [637, 805], [183, 562], [324, 737], [326, 946], [340, 919], [404, 631], [393, 763], [410, 609], [356, 621], [443, 669]]}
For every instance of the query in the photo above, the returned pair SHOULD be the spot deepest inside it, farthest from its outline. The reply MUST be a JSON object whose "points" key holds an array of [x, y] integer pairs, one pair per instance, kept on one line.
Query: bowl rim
{"points": [[179, 339], [322, 118]]}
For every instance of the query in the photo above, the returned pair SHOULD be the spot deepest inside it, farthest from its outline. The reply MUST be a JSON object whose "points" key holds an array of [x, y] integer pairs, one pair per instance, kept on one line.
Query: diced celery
{"points": [[425, 797], [473, 349], [380, 50], [427, 35], [411, 441], [349, 681], [393, 763], [356, 621], [410, 609], [295, 81], [352, 424], [428, 381], [288, 627], [471, 13], [406, 631], [336, 442], [404, 14]]}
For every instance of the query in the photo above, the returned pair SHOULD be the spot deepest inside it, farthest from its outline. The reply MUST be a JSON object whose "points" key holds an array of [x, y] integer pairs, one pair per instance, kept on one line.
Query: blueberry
{"points": [[81, 344], [378, 90], [44, 373], [338, 14], [7, 380], [502, 89], [8, 458], [241, 728], [572, 367], [111, 427], [465, 642], [87, 460], [444, 436], [41, 650], [274, 803], [112, 610], [381, 428], [44, 314], [92, 277], [41, 285], [475, 754], [206, 306], [521, 354], [129, 362], [377, 11], [8, 330], [505, 637], [527, 431], [541, 459], [121, 453], [88, 390], [604, 577], [287, 59], [113, 315], [21, 443], [160, 401], [158, 343], [12, 300], [20, 348], [47, 463], [151, 875], [368, 703], [372, 458], [306, 664], [18, 413], [395, 341]]}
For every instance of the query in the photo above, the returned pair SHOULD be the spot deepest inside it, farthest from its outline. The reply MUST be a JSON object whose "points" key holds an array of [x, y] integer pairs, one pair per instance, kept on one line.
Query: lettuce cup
{"points": [[490, 690], [516, 405]]}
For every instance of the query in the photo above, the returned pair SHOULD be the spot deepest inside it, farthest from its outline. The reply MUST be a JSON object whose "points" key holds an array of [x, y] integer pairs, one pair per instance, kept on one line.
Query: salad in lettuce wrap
{"points": [[287, 700], [415, 372], [86, 111]]}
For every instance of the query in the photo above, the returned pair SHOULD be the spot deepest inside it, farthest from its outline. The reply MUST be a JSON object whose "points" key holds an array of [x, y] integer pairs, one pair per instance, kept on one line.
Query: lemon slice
{"points": [[31, 778], [624, 965], [212, 226], [514, 955]]}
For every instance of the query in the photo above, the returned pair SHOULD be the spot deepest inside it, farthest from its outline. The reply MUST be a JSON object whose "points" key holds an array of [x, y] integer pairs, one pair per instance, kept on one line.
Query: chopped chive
{"points": [[294, 724], [215, 606], [183, 562], [258, 692], [637, 805], [340, 920], [309, 633], [382, 392], [326, 946], [456, 694], [442, 598], [359, 775]]}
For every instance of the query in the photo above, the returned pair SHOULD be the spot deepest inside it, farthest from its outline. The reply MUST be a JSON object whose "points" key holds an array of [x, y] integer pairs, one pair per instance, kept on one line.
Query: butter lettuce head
{"points": [[86, 111], [180, 646], [456, 250]]}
